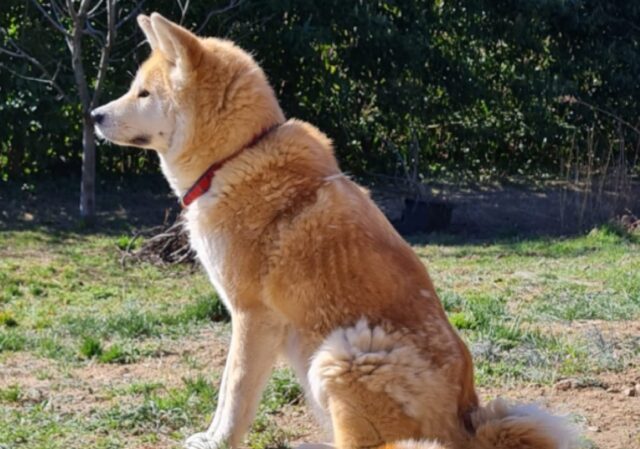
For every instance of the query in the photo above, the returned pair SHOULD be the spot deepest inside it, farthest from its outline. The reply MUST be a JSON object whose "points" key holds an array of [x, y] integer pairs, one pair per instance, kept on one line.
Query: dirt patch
{"points": [[91, 386], [611, 330], [606, 413]]}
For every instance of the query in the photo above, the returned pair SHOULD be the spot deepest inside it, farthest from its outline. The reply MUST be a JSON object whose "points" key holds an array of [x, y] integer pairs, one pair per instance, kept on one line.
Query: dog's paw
{"points": [[203, 440]]}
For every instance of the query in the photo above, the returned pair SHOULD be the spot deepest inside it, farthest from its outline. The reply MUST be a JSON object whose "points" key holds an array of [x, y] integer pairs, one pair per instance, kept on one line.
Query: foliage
{"points": [[476, 86]]}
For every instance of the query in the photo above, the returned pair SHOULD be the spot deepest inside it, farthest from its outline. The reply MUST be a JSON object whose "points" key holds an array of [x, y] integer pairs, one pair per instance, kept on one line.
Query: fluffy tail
{"points": [[500, 425]]}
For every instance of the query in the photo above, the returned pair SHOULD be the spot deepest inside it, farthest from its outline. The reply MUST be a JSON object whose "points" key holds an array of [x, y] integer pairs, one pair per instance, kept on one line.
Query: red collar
{"points": [[202, 185]]}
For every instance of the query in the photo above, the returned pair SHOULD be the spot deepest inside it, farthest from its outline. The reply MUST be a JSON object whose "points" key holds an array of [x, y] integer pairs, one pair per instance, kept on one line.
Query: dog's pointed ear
{"points": [[144, 22], [178, 45]]}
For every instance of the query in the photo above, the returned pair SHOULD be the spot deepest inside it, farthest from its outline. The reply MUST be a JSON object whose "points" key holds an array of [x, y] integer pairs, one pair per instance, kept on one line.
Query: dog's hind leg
{"points": [[379, 388]]}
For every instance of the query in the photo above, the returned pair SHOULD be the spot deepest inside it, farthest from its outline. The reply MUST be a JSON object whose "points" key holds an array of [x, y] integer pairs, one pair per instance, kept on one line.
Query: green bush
{"points": [[472, 86]]}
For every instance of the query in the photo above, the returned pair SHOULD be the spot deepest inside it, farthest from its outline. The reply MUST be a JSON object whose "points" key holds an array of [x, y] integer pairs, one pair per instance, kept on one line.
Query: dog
{"points": [[306, 264]]}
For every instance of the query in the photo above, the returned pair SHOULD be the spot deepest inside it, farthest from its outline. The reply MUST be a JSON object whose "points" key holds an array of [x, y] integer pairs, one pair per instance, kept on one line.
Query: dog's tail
{"points": [[500, 425]]}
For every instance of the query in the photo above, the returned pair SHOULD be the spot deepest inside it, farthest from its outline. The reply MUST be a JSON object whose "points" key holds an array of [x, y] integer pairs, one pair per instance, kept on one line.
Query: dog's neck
{"points": [[203, 184], [190, 156]]}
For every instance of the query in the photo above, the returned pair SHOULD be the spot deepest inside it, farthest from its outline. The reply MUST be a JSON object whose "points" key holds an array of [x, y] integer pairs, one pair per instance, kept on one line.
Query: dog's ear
{"points": [[178, 45], [144, 22]]}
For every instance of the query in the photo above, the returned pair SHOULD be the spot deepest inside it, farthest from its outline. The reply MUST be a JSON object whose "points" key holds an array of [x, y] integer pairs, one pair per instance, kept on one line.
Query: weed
{"points": [[144, 388], [266, 435], [12, 393], [90, 347], [206, 308], [462, 320], [127, 242], [283, 389], [6, 319], [11, 341], [119, 353]]}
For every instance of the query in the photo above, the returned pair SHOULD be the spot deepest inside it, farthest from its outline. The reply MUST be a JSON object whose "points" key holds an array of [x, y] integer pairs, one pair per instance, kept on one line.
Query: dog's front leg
{"points": [[256, 340]]}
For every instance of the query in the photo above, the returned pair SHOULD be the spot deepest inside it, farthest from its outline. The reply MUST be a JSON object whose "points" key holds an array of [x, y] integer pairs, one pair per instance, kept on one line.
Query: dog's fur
{"points": [[306, 263]]}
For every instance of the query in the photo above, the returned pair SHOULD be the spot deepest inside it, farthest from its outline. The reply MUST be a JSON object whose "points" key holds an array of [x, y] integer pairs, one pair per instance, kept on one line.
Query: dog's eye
{"points": [[143, 93]]}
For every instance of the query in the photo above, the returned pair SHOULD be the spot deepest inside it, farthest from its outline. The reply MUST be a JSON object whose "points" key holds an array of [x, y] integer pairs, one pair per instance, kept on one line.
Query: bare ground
{"points": [[603, 406]]}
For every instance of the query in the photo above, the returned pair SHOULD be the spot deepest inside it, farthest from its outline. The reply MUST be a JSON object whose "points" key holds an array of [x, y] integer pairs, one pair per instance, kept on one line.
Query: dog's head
{"points": [[192, 94]]}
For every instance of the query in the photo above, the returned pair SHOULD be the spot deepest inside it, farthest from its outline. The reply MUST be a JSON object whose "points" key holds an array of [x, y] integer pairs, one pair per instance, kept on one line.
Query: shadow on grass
{"points": [[51, 206], [124, 205], [533, 245]]}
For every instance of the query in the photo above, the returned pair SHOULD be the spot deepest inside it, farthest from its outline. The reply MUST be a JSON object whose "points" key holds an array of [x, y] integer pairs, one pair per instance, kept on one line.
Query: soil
{"points": [[606, 409], [606, 413]]}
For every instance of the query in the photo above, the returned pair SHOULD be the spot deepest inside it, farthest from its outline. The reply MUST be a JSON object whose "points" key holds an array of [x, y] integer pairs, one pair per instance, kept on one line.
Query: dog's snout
{"points": [[97, 117]]}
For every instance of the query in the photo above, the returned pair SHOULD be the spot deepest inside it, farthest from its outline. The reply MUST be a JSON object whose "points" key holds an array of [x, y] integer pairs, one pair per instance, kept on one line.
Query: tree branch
{"points": [[47, 78], [50, 82], [133, 12], [232, 4], [71, 10], [56, 24], [95, 34], [93, 10], [575, 100], [106, 52], [84, 8], [126, 56], [184, 7]]}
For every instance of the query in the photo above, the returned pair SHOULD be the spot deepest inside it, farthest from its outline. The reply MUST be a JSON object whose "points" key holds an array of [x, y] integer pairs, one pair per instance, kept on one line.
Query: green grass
{"points": [[12, 393], [503, 297], [66, 301], [57, 291]]}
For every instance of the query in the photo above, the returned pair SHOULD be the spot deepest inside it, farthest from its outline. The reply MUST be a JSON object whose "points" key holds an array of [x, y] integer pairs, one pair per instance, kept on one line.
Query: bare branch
{"points": [[106, 51], [72, 12], [184, 7], [95, 9], [47, 78], [133, 12], [10, 53], [56, 24], [574, 100], [232, 4], [49, 82], [58, 11], [92, 32], [84, 8], [126, 56]]}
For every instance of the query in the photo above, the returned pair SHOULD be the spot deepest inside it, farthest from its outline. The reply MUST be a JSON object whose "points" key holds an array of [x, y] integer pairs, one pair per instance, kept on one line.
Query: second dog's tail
{"points": [[500, 425]]}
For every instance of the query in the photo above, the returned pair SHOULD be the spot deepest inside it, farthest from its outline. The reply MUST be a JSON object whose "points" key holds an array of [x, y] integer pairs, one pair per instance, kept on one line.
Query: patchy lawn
{"points": [[94, 353]]}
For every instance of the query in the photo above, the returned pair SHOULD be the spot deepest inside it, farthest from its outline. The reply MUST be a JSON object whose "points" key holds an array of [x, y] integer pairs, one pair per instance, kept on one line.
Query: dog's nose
{"points": [[97, 116]]}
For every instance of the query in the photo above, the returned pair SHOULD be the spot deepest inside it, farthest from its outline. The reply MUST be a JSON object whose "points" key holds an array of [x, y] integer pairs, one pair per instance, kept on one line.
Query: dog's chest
{"points": [[211, 248]]}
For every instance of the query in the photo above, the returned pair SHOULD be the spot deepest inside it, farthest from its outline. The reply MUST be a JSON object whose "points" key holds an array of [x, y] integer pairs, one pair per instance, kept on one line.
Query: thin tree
{"points": [[76, 21]]}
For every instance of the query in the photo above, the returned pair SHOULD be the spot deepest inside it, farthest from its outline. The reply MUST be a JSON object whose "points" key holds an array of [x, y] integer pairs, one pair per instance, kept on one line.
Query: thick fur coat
{"points": [[307, 265]]}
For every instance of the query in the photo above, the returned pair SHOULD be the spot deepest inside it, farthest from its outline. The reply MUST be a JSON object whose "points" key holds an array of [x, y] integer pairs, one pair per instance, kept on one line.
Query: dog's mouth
{"points": [[140, 140], [107, 134]]}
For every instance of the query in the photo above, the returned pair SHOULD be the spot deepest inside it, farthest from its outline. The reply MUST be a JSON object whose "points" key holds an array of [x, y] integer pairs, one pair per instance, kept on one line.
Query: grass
{"points": [[69, 310], [506, 296], [65, 291]]}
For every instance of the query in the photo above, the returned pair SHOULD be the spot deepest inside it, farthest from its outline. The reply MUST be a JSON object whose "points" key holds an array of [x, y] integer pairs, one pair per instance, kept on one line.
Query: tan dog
{"points": [[305, 262]]}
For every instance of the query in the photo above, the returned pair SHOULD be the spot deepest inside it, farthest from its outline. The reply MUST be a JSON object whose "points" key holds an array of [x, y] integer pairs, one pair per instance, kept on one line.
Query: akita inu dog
{"points": [[305, 262]]}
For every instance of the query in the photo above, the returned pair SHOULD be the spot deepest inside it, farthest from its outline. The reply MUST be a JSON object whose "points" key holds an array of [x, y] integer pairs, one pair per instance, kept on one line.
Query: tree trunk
{"points": [[88, 182]]}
